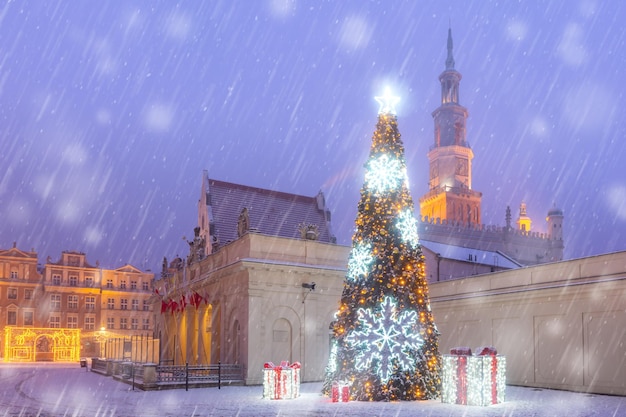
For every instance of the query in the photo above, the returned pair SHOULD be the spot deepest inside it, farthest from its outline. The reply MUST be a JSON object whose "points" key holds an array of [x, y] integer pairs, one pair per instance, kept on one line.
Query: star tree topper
{"points": [[387, 102]]}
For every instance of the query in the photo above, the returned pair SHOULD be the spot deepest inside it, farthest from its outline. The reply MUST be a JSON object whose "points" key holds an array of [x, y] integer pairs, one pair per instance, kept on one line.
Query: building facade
{"points": [[265, 289], [68, 302], [262, 298]]}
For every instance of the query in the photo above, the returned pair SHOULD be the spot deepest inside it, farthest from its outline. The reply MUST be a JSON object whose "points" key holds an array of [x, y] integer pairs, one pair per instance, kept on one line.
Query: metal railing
{"points": [[153, 376], [205, 374]]}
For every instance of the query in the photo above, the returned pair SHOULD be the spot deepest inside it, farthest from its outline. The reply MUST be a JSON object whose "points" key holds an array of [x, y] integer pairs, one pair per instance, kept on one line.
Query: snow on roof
{"points": [[459, 253]]}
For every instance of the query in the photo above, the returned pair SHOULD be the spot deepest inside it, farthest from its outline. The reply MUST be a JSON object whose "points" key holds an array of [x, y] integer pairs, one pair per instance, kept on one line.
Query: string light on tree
{"points": [[385, 342]]}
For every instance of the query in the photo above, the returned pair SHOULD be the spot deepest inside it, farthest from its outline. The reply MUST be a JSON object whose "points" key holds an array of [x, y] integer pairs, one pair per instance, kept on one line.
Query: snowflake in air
{"points": [[385, 174], [360, 259], [385, 337], [407, 225]]}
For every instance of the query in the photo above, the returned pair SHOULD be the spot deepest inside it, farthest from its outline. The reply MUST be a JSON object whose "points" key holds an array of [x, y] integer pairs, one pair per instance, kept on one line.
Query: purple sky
{"points": [[111, 111]]}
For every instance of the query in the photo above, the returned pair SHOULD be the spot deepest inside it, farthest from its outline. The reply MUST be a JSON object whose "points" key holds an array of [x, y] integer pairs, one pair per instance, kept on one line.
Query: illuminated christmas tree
{"points": [[385, 342]]}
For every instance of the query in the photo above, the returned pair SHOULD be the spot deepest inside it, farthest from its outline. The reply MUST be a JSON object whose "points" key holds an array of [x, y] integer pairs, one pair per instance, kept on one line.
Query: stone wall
{"points": [[560, 325]]}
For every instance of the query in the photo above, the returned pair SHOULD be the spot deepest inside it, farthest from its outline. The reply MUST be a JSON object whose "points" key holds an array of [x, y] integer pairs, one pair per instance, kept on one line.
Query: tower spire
{"points": [[450, 58], [451, 197]]}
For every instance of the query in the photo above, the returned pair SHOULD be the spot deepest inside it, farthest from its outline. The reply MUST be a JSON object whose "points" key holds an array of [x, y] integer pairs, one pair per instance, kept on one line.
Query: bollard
{"points": [[219, 374], [186, 376]]}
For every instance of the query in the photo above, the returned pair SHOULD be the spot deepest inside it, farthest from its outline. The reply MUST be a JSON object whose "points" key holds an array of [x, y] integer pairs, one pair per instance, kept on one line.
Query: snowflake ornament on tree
{"points": [[386, 338], [385, 174], [407, 225], [360, 260]]}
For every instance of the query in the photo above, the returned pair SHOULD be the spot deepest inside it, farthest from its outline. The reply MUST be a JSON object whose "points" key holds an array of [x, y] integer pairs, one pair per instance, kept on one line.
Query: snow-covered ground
{"points": [[68, 390]]}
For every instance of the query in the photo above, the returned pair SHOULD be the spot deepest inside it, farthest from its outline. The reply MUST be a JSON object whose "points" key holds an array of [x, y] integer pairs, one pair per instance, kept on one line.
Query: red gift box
{"points": [[340, 392]]}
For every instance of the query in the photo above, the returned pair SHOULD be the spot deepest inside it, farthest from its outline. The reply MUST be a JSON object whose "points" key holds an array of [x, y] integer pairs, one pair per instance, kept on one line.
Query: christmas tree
{"points": [[385, 342]]}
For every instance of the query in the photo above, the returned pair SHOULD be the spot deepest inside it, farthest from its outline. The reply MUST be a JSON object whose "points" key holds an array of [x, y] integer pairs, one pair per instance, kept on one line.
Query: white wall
{"points": [[560, 325]]}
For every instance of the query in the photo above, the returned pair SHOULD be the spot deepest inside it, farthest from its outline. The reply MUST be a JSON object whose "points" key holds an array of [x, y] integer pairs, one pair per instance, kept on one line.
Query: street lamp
{"points": [[101, 337]]}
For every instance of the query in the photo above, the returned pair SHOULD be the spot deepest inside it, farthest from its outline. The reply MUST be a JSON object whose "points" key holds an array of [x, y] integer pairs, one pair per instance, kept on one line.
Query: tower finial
{"points": [[450, 58]]}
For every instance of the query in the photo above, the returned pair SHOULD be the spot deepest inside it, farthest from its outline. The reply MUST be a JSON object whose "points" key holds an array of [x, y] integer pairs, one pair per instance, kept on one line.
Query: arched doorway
{"points": [[44, 348], [206, 327], [281, 341], [235, 343]]}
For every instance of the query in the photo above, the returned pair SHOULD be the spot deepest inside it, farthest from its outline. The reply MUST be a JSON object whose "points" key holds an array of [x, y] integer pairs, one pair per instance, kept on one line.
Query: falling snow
{"points": [[110, 113]]}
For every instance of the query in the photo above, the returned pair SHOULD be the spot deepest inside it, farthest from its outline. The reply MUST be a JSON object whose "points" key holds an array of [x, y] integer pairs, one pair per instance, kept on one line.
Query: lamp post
{"points": [[101, 337]]}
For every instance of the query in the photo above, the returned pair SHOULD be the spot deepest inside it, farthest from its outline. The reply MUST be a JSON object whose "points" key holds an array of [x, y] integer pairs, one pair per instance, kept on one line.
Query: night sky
{"points": [[111, 110]]}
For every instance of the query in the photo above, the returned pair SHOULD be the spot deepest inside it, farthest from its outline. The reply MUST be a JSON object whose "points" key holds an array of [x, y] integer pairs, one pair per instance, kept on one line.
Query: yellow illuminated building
{"points": [[69, 309], [523, 221], [451, 212]]}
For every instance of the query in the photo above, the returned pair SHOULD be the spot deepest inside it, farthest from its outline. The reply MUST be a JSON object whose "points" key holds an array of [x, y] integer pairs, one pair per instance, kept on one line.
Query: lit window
{"points": [[90, 303], [110, 322], [73, 281], [111, 303], [72, 322], [124, 304], [12, 294], [123, 323], [135, 305]]}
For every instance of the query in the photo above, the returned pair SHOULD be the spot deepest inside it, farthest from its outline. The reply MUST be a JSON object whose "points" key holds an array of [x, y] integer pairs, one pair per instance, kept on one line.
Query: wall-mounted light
{"points": [[310, 287]]}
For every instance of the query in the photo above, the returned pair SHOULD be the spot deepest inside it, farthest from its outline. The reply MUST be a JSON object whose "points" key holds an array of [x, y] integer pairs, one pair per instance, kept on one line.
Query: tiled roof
{"points": [[272, 213]]}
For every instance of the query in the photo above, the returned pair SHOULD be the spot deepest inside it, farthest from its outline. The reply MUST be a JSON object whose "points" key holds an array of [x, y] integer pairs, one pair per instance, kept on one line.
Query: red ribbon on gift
{"points": [[277, 384], [494, 385], [491, 351], [461, 380], [294, 366]]}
